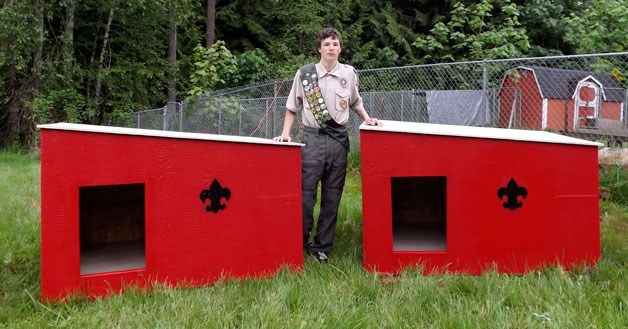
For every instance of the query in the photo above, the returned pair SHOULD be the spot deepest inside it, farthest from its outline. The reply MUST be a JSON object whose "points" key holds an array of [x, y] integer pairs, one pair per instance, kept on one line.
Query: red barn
{"points": [[566, 101], [123, 206], [470, 199]]}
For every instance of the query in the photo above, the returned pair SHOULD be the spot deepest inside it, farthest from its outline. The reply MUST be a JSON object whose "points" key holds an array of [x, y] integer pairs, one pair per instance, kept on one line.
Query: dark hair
{"points": [[328, 33]]}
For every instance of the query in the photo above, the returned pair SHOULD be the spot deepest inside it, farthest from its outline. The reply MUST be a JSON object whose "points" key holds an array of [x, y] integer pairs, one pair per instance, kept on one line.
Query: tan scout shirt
{"points": [[340, 91]]}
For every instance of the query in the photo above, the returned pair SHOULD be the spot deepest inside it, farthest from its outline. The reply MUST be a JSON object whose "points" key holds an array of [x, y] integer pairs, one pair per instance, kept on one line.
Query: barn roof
{"points": [[561, 83]]}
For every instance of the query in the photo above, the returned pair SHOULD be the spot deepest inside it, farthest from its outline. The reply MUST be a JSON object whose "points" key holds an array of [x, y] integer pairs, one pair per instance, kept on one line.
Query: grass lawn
{"points": [[337, 295]]}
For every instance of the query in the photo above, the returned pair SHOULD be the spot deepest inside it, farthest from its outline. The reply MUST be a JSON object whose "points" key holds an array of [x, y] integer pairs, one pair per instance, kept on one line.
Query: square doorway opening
{"points": [[112, 228], [419, 213]]}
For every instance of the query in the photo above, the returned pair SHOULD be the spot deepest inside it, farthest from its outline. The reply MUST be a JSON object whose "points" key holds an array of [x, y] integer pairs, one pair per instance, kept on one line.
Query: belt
{"points": [[320, 130], [332, 124], [338, 133]]}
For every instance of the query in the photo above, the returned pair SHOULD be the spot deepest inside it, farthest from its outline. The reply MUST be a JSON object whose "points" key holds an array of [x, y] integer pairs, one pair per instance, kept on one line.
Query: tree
{"points": [[21, 25], [210, 31], [489, 29], [214, 68], [95, 61], [94, 111], [599, 27], [543, 21], [172, 53], [252, 66]]}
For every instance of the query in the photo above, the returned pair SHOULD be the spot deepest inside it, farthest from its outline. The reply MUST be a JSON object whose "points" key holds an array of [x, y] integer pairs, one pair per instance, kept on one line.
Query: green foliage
{"points": [[58, 106], [543, 21], [489, 29], [85, 80], [600, 27], [252, 66], [375, 57], [376, 33], [214, 68], [18, 81], [614, 183], [17, 34]]}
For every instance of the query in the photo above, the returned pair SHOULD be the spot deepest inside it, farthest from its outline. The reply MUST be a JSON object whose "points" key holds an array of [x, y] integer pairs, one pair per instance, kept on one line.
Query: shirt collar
{"points": [[321, 71]]}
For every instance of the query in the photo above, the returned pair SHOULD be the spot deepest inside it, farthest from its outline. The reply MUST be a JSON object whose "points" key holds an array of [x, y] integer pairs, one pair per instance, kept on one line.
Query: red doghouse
{"points": [[468, 199], [122, 206]]}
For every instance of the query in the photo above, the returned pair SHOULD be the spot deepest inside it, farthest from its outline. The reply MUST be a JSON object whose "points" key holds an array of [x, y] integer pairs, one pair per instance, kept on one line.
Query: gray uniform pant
{"points": [[324, 160]]}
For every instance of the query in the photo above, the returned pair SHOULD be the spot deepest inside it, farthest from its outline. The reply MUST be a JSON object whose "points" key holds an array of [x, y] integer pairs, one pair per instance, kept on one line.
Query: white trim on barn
{"points": [[599, 84], [595, 103], [536, 80]]}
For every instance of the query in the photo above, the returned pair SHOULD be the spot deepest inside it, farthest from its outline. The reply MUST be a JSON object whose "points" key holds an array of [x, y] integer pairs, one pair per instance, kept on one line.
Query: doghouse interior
{"points": [[419, 213], [111, 224]]}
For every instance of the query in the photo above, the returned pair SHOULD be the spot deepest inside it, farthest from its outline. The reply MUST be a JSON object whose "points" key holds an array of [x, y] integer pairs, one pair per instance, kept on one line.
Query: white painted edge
{"points": [[162, 133], [477, 132]]}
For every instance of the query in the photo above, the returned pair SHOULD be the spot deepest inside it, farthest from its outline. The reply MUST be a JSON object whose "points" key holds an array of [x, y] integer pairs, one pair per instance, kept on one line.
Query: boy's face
{"points": [[330, 49]]}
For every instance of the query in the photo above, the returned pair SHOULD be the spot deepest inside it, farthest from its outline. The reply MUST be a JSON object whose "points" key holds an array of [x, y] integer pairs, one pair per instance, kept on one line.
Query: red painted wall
{"points": [[530, 103], [611, 111], [560, 113], [557, 224], [257, 233]]}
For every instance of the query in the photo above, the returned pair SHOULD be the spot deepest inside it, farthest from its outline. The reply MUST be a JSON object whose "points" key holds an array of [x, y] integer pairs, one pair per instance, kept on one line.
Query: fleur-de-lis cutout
{"points": [[512, 191], [215, 195]]}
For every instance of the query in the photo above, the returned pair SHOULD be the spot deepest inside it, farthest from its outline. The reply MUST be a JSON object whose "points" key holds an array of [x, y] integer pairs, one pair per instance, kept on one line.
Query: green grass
{"points": [[337, 295]]}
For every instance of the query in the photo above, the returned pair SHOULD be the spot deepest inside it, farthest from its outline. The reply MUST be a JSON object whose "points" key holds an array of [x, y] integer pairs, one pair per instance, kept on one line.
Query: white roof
{"points": [[161, 133], [477, 132]]}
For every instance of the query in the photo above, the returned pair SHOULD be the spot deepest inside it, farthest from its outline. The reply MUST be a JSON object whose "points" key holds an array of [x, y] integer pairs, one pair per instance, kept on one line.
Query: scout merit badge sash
{"points": [[319, 109]]}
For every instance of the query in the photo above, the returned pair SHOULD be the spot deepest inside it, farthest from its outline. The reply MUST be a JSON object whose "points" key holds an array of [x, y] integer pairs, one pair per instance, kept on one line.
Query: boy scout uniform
{"points": [[324, 98]]}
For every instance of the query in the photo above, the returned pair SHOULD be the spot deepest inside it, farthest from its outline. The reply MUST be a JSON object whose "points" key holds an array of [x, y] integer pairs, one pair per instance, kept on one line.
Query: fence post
{"points": [[180, 116], [275, 95], [402, 106], [220, 115], [139, 125], [485, 89], [240, 118], [165, 117], [625, 109]]}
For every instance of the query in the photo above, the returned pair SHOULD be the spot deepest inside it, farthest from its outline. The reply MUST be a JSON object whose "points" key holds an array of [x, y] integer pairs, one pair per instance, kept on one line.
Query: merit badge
{"points": [[313, 76], [305, 82], [343, 82], [343, 104]]}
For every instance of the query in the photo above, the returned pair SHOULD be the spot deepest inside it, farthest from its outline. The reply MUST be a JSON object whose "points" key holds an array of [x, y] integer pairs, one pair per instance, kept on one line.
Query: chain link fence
{"points": [[584, 96]]}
